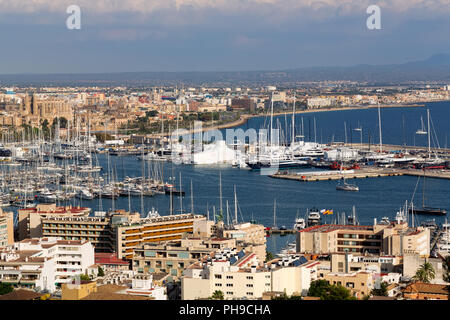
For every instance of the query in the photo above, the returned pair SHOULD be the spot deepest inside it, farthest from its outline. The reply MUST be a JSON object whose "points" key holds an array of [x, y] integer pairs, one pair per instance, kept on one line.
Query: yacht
{"points": [[385, 220], [344, 186], [84, 194], [46, 196], [313, 217], [299, 224]]}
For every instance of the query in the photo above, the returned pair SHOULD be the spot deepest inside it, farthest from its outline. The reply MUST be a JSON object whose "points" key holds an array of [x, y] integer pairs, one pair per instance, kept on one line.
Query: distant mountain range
{"points": [[435, 68]]}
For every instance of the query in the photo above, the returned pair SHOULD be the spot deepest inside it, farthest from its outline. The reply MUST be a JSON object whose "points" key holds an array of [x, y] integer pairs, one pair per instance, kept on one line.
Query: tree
{"points": [[84, 277], [217, 295], [381, 291], [425, 273], [269, 256], [327, 291], [100, 272], [5, 288], [446, 265], [446, 275]]}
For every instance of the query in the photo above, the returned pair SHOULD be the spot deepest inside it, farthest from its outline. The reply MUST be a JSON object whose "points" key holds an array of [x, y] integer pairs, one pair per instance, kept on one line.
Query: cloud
{"points": [[226, 6]]}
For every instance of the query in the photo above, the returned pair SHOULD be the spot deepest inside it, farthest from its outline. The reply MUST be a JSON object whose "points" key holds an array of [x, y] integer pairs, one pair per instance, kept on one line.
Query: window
{"points": [[230, 293], [249, 293], [229, 284], [229, 277], [218, 276], [249, 285], [218, 284], [249, 278]]}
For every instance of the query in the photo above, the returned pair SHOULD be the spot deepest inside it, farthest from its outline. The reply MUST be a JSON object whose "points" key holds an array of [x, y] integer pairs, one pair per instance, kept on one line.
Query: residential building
{"points": [[241, 276], [45, 262], [359, 283], [425, 291], [6, 228], [30, 219], [393, 239], [77, 291], [173, 257]]}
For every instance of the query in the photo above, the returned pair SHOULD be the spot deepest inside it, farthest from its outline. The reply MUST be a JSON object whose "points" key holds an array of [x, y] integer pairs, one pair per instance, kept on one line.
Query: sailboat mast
{"points": [[192, 198], [220, 192], [379, 128], [235, 206], [429, 138], [293, 122]]}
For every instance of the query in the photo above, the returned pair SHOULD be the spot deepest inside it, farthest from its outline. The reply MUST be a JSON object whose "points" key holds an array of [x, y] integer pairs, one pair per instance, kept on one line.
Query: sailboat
{"points": [[424, 210], [422, 130], [344, 186]]}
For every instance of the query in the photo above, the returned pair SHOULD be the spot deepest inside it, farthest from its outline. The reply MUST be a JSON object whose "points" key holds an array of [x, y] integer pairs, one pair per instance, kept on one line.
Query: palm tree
{"points": [[425, 273], [217, 295]]}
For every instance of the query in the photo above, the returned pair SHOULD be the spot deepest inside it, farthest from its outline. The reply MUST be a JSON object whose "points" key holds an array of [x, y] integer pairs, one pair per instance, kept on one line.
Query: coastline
{"points": [[245, 117]]}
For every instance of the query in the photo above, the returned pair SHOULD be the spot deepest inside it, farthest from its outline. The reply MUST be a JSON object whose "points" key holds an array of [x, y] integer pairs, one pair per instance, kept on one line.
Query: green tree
{"points": [[100, 272], [425, 273], [381, 291], [269, 256], [326, 291], [446, 265], [84, 277], [217, 295], [5, 288]]}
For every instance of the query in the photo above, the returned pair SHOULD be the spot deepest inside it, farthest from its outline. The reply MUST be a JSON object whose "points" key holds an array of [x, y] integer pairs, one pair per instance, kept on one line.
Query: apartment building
{"points": [[6, 228], [173, 257], [359, 283], [393, 239], [241, 276], [120, 231], [30, 219], [44, 263], [247, 235]]}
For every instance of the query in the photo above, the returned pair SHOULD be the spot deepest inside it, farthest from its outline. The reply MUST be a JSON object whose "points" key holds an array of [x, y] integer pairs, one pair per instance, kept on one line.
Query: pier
{"points": [[359, 174], [337, 175]]}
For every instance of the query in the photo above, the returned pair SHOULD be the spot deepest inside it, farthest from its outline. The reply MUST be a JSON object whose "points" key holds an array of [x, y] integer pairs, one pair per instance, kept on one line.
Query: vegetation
{"points": [[381, 291], [5, 288], [269, 256], [217, 295], [102, 136], [84, 277], [327, 291], [425, 273], [284, 296], [446, 265], [101, 273]]}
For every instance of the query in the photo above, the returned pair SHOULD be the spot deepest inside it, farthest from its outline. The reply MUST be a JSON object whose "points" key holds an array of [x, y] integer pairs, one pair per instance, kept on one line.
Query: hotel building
{"points": [[30, 219], [120, 231]]}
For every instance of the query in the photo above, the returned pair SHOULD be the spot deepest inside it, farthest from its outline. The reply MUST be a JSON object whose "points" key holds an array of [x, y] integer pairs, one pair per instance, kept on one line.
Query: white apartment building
{"points": [[241, 276], [319, 102], [44, 263]]}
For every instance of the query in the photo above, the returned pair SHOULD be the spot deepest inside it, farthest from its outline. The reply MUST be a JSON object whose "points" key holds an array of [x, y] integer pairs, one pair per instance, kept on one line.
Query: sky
{"points": [[216, 35]]}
